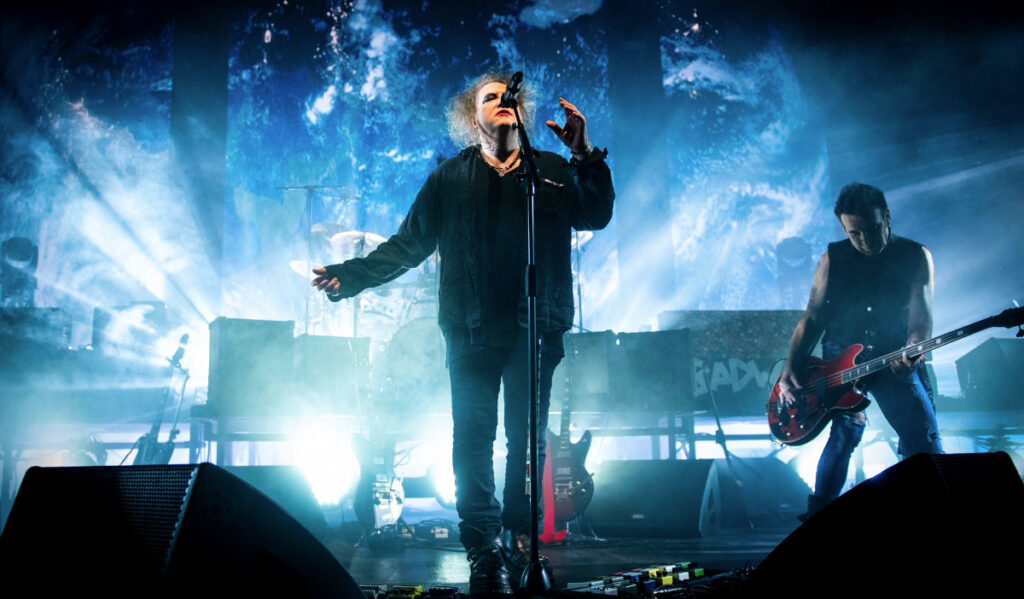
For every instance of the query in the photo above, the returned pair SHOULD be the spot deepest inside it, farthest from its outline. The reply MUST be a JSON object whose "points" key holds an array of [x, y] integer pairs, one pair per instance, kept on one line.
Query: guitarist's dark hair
{"points": [[860, 199]]}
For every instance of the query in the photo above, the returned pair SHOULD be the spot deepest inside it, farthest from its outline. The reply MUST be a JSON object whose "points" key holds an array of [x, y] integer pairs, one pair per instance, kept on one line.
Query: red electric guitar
{"points": [[567, 486], [831, 386]]}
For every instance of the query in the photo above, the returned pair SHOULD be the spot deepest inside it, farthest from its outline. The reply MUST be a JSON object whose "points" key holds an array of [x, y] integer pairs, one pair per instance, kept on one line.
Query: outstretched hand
{"points": [[574, 132], [326, 283]]}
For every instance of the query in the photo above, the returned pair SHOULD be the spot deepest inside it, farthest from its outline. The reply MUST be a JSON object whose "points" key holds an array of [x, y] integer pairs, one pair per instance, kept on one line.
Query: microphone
{"points": [[178, 355], [509, 97]]}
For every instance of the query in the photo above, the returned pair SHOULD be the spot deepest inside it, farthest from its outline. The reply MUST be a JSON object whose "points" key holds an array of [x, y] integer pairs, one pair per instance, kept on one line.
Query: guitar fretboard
{"points": [[911, 351]]}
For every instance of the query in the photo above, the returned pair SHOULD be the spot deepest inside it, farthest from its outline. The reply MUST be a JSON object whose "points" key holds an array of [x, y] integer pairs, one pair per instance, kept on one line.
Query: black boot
{"points": [[517, 557], [487, 574]]}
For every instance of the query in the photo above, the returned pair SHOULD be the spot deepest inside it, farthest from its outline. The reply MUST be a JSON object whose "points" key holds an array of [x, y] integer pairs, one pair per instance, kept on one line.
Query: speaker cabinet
{"points": [[988, 375], [633, 372], [734, 355], [655, 498], [930, 526], [653, 371], [330, 373], [252, 370], [193, 530]]}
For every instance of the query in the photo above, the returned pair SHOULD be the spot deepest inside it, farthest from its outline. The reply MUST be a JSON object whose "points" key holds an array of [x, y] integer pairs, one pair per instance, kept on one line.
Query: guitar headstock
{"points": [[1009, 318]]}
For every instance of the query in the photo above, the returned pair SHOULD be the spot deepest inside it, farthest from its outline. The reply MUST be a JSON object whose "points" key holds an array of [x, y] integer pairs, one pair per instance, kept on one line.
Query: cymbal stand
{"points": [[310, 191], [579, 279]]}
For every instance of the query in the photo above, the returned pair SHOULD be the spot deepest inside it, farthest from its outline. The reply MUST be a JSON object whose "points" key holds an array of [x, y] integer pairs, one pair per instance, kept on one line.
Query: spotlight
{"points": [[19, 258], [328, 464], [444, 483]]}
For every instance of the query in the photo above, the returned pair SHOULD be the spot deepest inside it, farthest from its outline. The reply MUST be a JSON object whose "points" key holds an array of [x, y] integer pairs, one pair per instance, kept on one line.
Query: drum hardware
{"points": [[579, 239], [310, 191]]}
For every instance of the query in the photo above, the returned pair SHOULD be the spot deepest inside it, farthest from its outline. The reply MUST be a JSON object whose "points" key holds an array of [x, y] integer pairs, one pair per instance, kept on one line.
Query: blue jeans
{"points": [[905, 404], [476, 376]]}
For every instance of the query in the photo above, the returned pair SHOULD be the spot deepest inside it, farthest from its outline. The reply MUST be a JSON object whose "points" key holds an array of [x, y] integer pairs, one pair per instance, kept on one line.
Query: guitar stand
{"points": [[579, 530]]}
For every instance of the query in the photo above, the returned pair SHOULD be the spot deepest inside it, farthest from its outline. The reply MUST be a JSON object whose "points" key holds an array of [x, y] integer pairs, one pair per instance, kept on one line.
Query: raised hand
{"points": [[574, 132]]}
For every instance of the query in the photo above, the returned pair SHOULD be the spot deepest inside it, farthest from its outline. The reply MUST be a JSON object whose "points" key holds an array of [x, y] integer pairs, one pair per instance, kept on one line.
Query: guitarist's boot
{"points": [[517, 557], [814, 505]]}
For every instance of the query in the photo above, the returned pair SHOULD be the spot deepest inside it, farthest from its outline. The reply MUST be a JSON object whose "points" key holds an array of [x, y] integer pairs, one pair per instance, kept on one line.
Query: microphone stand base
{"points": [[536, 580]]}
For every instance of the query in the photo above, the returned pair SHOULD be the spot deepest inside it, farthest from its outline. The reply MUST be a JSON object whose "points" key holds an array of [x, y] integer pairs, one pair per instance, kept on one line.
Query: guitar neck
{"points": [[881, 363], [563, 425]]}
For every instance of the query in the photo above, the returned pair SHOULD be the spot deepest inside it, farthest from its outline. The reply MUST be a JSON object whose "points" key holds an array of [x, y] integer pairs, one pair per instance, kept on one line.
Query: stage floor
{"points": [[444, 563]]}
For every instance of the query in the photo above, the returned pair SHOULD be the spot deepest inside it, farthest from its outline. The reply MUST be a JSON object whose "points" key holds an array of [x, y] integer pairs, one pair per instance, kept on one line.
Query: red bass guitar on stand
{"points": [[832, 385]]}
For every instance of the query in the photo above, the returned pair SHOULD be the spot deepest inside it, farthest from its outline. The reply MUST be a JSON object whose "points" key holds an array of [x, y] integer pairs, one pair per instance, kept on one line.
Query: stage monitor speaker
{"points": [[655, 498], [183, 530], [942, 525], [252, 371], [765, 493], [988, 375], [290, 490]]}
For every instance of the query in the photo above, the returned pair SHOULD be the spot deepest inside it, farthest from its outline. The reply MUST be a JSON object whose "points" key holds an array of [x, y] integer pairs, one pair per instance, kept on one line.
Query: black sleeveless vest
{"points": [[867, 298]]}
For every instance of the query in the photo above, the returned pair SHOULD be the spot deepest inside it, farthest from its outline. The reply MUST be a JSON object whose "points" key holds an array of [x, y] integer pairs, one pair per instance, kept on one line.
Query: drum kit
{"points": [[407, 349]]}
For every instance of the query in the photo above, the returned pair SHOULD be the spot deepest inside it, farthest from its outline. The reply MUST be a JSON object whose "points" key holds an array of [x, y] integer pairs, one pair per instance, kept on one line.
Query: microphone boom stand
{"points": [[535, 579]]}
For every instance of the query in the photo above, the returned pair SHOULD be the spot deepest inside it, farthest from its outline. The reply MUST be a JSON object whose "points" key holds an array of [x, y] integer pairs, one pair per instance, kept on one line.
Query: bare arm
{"points": [[919, 320], [807, 333]]}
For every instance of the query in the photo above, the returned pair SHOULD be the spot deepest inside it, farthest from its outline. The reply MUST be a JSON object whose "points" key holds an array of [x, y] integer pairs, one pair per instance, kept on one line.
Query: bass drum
{"points": [[415, 366]]}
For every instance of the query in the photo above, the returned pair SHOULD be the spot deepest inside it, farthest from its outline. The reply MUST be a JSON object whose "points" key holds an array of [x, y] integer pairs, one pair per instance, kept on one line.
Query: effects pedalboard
{"points": [[642, 582], [681, 579], [398, 591]]}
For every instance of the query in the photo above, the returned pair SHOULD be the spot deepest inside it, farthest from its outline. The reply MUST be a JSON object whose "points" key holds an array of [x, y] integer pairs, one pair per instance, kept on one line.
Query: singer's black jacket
{"points": [[571, 195]]}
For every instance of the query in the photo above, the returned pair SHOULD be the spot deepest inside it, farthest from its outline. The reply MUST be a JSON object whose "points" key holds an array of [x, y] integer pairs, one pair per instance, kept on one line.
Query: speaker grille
{"points": [[153, 502]]}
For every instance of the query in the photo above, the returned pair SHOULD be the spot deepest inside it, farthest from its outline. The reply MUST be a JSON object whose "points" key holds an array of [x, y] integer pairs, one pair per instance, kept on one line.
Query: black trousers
{"points": [[475, 379]]}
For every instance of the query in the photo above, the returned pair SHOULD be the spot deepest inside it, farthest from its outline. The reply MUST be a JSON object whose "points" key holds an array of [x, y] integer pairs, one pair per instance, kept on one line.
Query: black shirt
{"points": [[501, 237], [867, 298]]}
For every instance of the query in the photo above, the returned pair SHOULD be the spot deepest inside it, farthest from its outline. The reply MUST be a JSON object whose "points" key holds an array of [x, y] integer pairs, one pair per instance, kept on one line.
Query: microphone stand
{"points": [[149, 448], [535, 579]]}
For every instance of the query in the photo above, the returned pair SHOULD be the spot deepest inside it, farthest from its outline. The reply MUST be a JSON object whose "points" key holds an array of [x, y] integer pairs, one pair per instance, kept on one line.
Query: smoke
{"points": [[545, 13], [341, 103]]}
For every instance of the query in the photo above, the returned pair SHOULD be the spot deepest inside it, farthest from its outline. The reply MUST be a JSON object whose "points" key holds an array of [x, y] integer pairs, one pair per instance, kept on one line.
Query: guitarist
{"points": [[872, 288]]}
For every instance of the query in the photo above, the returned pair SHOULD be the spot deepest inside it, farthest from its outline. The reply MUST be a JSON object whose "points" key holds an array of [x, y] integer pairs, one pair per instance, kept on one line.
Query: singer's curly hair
{"points": [[461, 109]]}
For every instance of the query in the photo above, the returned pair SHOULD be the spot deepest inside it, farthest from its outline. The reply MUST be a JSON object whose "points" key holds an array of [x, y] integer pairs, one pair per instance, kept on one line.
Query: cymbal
{"points": [[353, 244], [327, 229], [582, 237], [354, 237]]}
